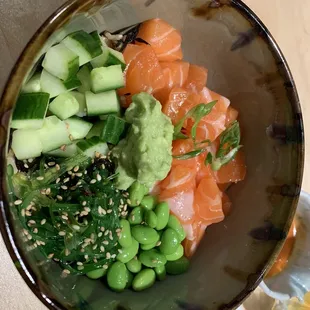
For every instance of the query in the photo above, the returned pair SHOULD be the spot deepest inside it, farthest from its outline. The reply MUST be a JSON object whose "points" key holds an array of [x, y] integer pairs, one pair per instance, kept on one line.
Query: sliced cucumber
{"points": [[107, 78], [92, 145], [101, 60], [96, 130], [73, 83], [30, 111], [116, 58], [113, 129], [84, 45], [103, 103], [78, 128], [64, 106], [82, 103], [68, 151], [33, 85], [53, 134], [51, 84], [61, 62], [26, 144], [84, 77]]}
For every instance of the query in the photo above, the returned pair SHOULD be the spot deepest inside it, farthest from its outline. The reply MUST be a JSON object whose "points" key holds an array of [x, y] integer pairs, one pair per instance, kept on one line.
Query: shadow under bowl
{"points": [[245, 65]]}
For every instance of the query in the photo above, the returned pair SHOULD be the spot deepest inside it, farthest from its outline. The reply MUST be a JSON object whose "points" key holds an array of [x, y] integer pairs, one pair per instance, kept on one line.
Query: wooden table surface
{"points": [[287, 20]]}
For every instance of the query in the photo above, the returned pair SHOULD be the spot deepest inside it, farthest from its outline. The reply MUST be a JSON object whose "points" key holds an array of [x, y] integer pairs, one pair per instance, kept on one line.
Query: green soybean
{"points": [[169, 241], [96, 274], [148, 202], [129, 279], [162, 213], [125, 239], [136, 193], [178, 266], [129, 253], [134, 265], [136, 216], [144, 234], [151, 245], [160, 273], [117, 276], [150, 218], [177, 254], [175, 224], [152, 258], [144, 279]]}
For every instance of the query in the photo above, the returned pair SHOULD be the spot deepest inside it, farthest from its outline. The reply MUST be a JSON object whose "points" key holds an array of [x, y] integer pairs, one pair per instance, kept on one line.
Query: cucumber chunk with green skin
{"points": [[101, 60], [92, 145], [78, 128], [33, 85], [96, 36], [61, 62], [51, 84], [84, 76], [84, 45], [68, 151], [113, 129], [82, 103], [53, 134], [103, 103], [64, 106], [26, 144], [107, 78], [115, 58], [72, 83], [96, 130], [30, 111]]}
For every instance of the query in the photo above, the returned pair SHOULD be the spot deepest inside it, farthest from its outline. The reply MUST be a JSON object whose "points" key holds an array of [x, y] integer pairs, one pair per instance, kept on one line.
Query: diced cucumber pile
{"points": [[79, 79]]}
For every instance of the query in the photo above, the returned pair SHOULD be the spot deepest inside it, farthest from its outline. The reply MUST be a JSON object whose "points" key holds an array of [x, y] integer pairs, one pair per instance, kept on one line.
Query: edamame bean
{"points": [[169, 241], [125, 239], [148, 202], [178, 266], [129, 253], [162, 212], [134, 265], [150, 218], [136, 193], [144, 234], [136, 216], [96, 274], [160, 273], [117, 276], [177, 254], [144, 279], [175, 224], [151, 245], [152, 258], [129, 279]]}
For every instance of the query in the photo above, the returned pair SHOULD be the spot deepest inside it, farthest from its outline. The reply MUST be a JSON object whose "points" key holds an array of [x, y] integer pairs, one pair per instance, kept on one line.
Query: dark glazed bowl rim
{"points": [[23, 65]]}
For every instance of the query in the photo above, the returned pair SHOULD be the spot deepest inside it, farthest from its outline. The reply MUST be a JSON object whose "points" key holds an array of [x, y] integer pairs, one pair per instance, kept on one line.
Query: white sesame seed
{"points": [[87, 209], [64, 217], [43, 191], [113, 256], [99, 178], [66, 180], [66, 271], [63, 147], [129, 201], [51, 163], [64, 187], [51, 255], [106, 232], [57, 167], [110, 202], [102, 228], [67, 252], [76, 168], [32, 222], [62, 233], [84, 203], [80, 267], [43, 221], [120, 251], [26, 166], [23, 212], [76, 227], [79, 263], [109, 211], [95, 260], [59, 197], [40, 178], [78, 183], [103, 166], [29, 237], [102, 249], [105, 242], [35, 231], [70, 172], [95, 247], [108, 255], [86, 257], [82, 250], [87, 240], [111, 237], [105, 267], [58, 180], [158, 243], [28, 213], [30, 160], [93, 181], [100, 234], [18, 202], [122, 201], [48, 191]]}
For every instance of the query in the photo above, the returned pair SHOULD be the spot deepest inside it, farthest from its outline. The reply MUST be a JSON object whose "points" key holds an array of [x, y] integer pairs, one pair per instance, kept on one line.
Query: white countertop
{"points": [[287, 20]]}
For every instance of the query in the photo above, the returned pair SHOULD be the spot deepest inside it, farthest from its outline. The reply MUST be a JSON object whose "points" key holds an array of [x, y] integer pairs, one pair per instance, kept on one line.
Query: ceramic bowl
{"points": [[245, 65]]}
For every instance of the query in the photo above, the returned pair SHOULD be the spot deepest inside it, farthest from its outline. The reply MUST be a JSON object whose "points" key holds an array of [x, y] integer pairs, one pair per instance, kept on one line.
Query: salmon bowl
{"points": [[193, 167]]}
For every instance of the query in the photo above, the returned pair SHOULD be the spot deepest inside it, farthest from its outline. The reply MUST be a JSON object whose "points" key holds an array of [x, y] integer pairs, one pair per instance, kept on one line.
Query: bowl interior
{"points": [[246, 66]]}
